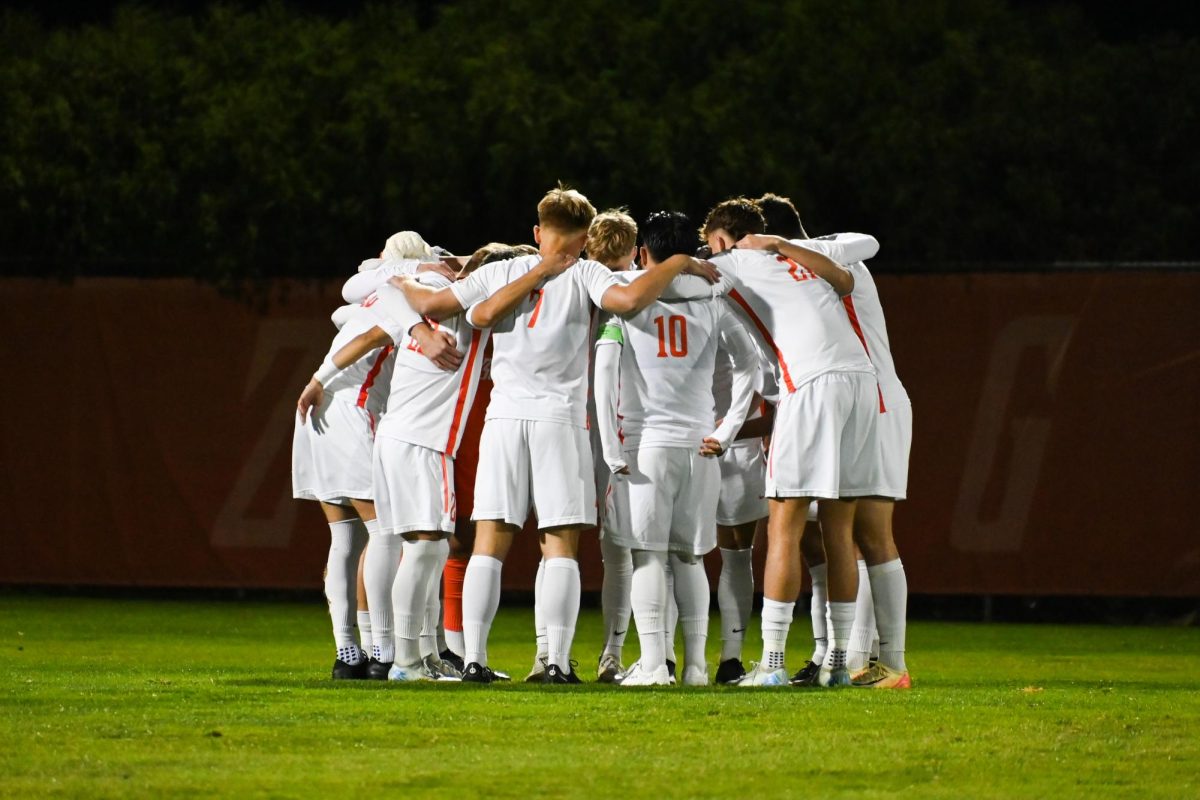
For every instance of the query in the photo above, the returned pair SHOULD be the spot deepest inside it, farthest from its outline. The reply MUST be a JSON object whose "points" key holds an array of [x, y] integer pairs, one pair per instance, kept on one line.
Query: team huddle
{"points": [[677, 394]]}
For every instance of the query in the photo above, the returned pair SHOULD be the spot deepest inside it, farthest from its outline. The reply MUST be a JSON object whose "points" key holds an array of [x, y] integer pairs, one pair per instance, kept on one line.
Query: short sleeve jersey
{"points": [[365, 382], [540, 352], [428, 406], [797, 316], [667, 360]]}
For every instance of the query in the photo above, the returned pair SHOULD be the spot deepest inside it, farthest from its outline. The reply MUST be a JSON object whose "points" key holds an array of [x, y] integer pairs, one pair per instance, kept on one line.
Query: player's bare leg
{"points": [[560, 599], [837, 535], [735, 595], [889, 585], [781, 585], [348, 539]]}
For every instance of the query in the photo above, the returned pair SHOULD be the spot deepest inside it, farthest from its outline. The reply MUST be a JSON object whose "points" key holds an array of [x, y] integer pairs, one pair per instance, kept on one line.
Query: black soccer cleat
{"points": [[554, 674], [452, 658], [349, 672], [671, 669], [477, 673], [807, 676], [730, 671], [377, 670]]}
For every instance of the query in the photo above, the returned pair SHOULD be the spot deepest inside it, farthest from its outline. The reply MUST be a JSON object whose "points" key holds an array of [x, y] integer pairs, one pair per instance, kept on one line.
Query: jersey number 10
{"points": [[672, 333]]}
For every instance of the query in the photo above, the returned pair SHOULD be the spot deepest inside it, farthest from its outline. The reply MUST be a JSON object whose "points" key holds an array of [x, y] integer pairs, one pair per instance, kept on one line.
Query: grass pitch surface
{"points": [[119, 698]]}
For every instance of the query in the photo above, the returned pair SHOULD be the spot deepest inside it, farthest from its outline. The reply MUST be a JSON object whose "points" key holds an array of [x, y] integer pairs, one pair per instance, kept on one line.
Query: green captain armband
{"points": [[612, 333]]}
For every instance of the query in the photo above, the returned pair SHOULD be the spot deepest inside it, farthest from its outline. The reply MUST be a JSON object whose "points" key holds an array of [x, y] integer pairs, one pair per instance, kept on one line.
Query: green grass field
{"points": [[121, 698]]}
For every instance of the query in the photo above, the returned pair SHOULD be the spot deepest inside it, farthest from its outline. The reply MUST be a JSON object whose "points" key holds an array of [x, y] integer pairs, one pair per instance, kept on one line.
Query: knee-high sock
{"points": [[889, 585], [560, 609], [346, 542], [379, 572], [863, 630], [433, 599], [648, 596], [481, 598], [841, 620], [692, 598], [735, 598], [539, 619], [452, 577], [672, 615], [818, 609], [408, 599], [776, 622], [614, 595]]}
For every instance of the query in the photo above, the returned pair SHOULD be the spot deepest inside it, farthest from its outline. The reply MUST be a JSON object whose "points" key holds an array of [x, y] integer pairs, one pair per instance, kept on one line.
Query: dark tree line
{"points": [[236, 143]]}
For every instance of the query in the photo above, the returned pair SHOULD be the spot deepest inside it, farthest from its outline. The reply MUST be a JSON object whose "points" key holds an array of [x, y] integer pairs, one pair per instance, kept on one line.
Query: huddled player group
{"points": [[680, 392]]}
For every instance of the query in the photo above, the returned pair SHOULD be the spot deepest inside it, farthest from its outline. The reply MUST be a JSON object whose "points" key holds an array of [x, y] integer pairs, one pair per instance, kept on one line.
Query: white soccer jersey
{"points": [[373, 273], [365, 382], [797, 315], [540, 352], [669, 351], [428, 406]]}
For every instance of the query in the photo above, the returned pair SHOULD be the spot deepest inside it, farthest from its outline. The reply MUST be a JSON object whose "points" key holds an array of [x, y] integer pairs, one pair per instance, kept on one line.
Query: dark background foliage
{"points": [[259, 140]]}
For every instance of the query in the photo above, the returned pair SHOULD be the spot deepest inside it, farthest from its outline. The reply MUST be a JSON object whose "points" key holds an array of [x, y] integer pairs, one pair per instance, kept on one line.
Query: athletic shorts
{"points": [[824, 442], [331, 453], [894, 435], [546, 466], [743, 476], [667, 502], [414, 487]]}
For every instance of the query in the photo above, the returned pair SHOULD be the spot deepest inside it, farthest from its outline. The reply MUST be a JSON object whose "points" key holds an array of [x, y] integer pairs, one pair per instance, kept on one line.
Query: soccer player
{"points": [[663, 496], [824, 433], [535, 448]]}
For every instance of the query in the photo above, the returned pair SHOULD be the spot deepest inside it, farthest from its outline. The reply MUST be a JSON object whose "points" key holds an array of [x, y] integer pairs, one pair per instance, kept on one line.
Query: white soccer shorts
{"points": [[824, 442], [331, 453], [894, 434], [743, 484], [414, 488], [667, 502], [539, 464]]}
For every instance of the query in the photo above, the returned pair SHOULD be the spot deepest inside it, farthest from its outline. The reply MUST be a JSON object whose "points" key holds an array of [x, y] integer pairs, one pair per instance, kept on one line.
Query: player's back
{"points": [[866, 311], [797, 315]]}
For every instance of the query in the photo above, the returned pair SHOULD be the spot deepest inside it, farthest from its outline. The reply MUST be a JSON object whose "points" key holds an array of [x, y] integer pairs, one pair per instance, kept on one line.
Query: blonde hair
{"points": [[565, 210], [611, 236], [406, 244]]}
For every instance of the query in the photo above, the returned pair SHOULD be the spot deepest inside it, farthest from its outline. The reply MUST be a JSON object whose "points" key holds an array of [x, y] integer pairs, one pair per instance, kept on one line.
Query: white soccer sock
{"points": [[560, 609], [455, 643], [672, 616], [442, 644], [841, 619], [735, 598], [408, 599], [364, 623], [692, 597], [776, 621], [379, 573], [433, 598], [614, 595], [539, 619], [346, 541], [481, 599], [648, 597], [863, 630], [890, 586], [817, 610]]}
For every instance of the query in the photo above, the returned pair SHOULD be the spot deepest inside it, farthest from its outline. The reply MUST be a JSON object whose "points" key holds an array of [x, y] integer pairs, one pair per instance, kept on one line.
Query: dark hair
{"points": [[781, 217], [737, 217], [668, 233]]}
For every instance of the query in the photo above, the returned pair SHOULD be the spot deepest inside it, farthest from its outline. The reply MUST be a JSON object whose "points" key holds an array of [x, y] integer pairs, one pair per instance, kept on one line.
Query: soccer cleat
{"points": [[414, 672], [695, 675], [349, 672], [760, 675], [730, 671], [501, 676], [671, 670], [636, 676], [378, 670], [880, 676], [439, 669], [838, 676], [807, 676], [555, 674], [538, 673], [477, 673], [608, 669], [452, 658]]}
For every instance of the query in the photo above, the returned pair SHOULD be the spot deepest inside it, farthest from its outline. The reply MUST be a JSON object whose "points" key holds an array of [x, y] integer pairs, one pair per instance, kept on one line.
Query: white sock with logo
{"points": [[841, 619], [692, 597], [776, 621], [614, 595], [379, 573], [735, 599], [346, 542]]}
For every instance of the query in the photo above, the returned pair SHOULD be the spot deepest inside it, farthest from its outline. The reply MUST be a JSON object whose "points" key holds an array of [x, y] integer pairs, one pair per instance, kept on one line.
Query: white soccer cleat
{"points": [[833, 677], [636, 676], [410, 673], [440, 669], [695, 675], [760, 675]]}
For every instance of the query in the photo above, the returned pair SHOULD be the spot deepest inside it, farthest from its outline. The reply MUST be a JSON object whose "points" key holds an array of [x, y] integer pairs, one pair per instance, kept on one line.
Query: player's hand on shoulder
{"points": [[759, 241], [704, 269], [310, 398], [438, 346], [618, 467], [441, 268], [555, 264], [711, 448]]}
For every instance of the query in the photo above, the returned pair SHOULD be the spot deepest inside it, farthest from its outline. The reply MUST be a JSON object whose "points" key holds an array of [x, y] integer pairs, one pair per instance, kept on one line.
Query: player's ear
{"points": [[642, 256], [537, 233]]}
